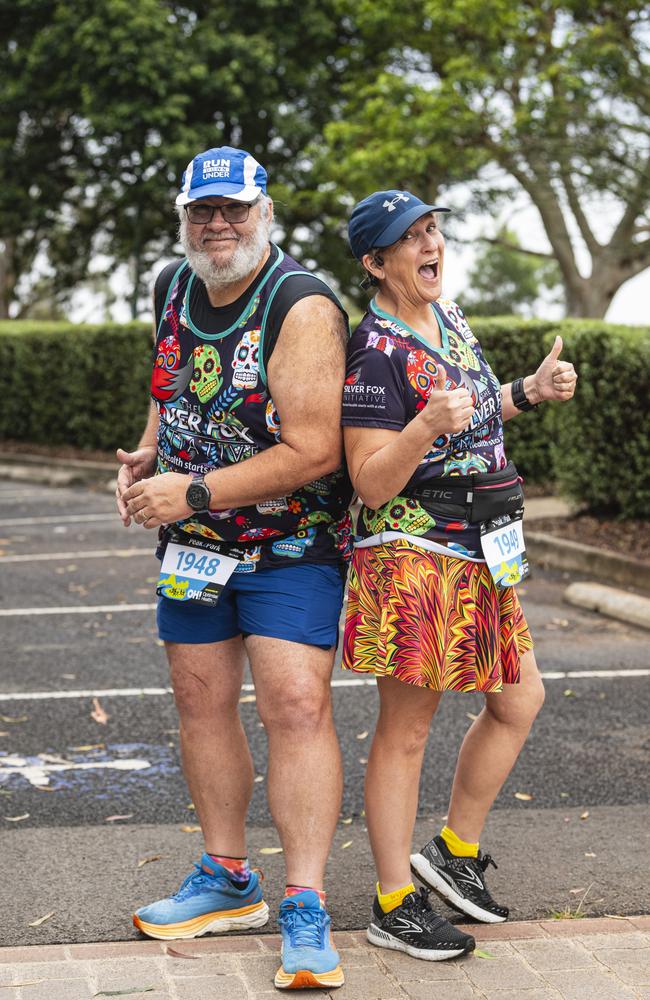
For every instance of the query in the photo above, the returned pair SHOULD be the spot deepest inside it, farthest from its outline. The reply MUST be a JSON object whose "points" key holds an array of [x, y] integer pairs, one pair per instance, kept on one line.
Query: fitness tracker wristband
{"points": [[519, 397]]}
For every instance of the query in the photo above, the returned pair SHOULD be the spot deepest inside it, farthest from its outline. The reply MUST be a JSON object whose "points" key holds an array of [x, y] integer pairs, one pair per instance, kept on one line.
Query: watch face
{"points": [[198, 496]]}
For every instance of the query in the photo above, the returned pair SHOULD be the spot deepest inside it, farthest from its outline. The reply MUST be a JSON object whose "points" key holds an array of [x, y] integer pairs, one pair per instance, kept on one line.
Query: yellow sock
{"points": [[459, 848], [391, 900]]}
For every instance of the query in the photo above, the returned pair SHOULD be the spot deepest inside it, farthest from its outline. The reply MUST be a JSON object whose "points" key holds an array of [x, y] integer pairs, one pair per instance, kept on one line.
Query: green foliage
{"points": [[552, 96], [88, 386], [601, 441], [85, 386], [502, 281], [515, 347]]}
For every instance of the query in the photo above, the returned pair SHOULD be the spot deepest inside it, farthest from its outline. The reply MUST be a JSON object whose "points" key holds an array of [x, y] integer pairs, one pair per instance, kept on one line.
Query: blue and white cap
{"points": [[384, 216], [222, 171]]}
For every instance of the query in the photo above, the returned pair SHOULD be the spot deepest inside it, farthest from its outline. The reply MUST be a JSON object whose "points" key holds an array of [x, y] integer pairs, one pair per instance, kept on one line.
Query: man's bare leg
{"points": [[305, 780], [217, 764]]}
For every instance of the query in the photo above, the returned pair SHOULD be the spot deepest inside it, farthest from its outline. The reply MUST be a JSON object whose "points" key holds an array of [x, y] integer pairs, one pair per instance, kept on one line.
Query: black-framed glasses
{"points": [[233, 212]]}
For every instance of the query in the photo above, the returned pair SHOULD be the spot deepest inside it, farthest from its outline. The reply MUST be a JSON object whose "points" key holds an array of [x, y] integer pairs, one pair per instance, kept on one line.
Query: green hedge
{"points": [[516, 347], [600, 443], [88, 386], [85, 386]]}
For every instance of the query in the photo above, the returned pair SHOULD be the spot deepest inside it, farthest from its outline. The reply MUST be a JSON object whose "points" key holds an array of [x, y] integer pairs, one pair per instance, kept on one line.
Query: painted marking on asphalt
{"points": [[337, 683], [39, 774], [98, 554], [63, 518], [83, 610]]}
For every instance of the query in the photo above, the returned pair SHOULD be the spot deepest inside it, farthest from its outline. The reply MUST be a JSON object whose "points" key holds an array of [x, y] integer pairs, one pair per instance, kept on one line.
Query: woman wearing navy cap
{"points": [[432, 606]]}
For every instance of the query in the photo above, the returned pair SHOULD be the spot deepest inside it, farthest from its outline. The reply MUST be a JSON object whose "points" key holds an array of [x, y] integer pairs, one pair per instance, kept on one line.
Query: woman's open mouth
{"points": [[429, 270]]}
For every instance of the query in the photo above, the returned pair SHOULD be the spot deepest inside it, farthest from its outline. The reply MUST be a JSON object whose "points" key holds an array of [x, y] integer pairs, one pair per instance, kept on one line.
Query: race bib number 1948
{"points": [[193, 574]]}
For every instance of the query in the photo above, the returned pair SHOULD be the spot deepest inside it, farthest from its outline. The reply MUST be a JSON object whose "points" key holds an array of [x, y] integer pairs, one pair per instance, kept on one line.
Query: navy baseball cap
{"points": [[382, 217], [221, 171]]}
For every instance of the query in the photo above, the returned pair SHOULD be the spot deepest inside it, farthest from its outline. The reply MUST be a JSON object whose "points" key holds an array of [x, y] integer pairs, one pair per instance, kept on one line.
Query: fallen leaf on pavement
{"points": [[258, 778], [88, 746], [524, 796], [28, 982], [98, 713], [564, 795], [479, 953], [179, 954], [41, 920], [123, 993], [568, 693], [346, 821], [348, 843], [190, 829], [247, 698], [14, 718], [363, 760], [16, 819], [470, 715], [362, 736], [147, 861], [589, 854], [271, 850], [113, 819], [574, 892], [585, 814], [615, 916]]}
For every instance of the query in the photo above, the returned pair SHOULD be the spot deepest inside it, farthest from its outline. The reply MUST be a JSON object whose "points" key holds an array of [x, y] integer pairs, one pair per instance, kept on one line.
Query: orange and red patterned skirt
{"points": [[431, 620]]}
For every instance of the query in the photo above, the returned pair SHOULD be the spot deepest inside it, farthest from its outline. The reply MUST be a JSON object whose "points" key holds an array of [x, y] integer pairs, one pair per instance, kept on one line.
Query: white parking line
{"points": [[343, 682], [98, 554], [52, 519], [84, 610]]}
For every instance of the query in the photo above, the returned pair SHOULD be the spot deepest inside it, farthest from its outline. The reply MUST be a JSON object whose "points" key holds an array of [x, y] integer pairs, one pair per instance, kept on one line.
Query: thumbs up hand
{"points": [[554, 379], [447, 412]]}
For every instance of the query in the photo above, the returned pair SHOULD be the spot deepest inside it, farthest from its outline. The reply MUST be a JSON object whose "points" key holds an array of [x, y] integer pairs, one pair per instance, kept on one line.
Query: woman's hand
{"points": [[554, 379], [447, 412]]}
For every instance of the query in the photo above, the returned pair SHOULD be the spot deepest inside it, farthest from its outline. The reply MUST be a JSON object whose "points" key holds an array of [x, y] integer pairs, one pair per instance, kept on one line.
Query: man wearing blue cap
{"points": [[240, 470]]}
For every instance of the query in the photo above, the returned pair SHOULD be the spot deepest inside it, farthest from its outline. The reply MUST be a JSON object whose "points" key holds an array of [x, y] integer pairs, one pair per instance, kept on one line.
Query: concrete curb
{"points": [[522, 930], [55, 471], [608, 601], [561, 553]]}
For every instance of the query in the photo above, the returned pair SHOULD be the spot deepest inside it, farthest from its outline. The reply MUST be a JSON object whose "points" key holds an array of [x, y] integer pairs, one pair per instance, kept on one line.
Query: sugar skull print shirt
{"points": [[210, 388], [390, 373]]}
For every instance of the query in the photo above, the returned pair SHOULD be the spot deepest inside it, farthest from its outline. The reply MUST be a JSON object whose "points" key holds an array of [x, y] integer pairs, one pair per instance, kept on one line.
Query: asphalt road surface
{"points": [[77, 623]]}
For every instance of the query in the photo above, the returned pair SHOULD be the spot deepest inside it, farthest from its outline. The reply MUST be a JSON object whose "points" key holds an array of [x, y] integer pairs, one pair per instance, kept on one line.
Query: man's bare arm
{"points": [[306, 374]]}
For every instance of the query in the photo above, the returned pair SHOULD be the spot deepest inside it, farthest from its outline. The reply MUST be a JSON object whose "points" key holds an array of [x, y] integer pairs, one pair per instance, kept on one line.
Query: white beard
{"points": [[246, 257]]}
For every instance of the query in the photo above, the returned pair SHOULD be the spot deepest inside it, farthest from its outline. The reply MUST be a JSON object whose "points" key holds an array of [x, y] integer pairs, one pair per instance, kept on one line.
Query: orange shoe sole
{"points": [[304, 979]]}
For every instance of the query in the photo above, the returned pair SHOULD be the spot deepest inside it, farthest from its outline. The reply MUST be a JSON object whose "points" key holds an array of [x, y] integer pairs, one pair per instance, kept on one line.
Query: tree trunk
{"points": [[7, 276]]}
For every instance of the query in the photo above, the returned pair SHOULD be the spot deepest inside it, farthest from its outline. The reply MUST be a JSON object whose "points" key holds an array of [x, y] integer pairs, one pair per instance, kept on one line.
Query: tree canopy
{"points": [[105, 101], [551, 98]]}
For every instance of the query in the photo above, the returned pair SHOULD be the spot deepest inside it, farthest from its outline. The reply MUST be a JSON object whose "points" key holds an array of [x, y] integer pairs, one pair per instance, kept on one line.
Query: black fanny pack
{"points": [[473, 498]]}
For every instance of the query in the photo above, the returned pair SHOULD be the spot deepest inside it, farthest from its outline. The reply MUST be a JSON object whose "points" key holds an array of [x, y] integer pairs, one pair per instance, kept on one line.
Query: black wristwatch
{"points": [[198, 495], [519, 397]]}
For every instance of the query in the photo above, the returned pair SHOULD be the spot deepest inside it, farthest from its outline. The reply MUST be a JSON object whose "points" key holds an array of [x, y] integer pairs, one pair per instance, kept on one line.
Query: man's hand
{"points": [[554, 379], [159, 500], [136, 465]]}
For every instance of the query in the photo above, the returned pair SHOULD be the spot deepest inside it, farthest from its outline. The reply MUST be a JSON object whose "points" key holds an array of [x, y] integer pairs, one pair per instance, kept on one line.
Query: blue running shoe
{"points": [[208, 902], [309, 958]]}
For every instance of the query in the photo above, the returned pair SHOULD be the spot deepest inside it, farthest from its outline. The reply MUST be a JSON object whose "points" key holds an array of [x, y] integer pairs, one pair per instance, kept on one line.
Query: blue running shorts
{"points": [[296, 603]]}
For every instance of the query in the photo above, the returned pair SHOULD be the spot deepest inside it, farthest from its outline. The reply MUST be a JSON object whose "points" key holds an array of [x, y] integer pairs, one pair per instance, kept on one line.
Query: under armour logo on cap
{"points": [[390, 205]]}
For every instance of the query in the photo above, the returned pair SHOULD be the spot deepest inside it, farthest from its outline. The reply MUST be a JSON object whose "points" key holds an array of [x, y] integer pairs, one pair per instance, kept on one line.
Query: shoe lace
{"points": [[420, 902], [484, 860], [195, 878], [304, 926]]}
